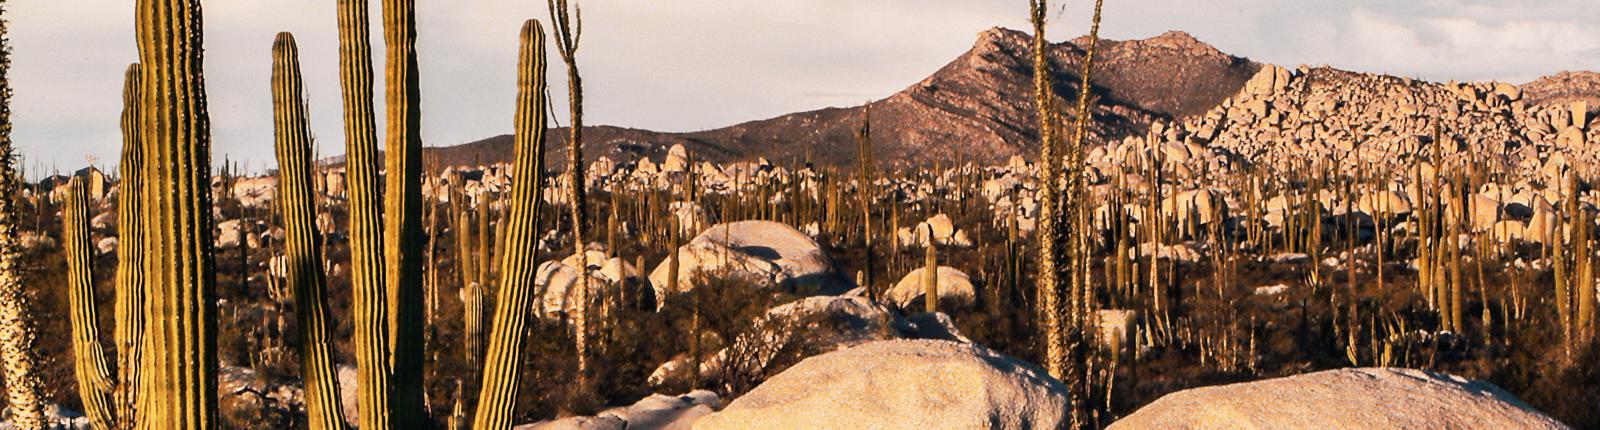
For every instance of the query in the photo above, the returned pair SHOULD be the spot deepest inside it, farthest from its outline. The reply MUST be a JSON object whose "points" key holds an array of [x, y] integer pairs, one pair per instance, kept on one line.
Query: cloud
{"points": [[696, 64]]}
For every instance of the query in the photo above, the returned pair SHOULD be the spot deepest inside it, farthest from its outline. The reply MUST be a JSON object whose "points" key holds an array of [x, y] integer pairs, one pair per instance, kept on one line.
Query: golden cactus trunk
{"points": [[402, 213], [370, 313], [93, 369], [298, 207], [179, 380], [130, 252], [502, 365]]}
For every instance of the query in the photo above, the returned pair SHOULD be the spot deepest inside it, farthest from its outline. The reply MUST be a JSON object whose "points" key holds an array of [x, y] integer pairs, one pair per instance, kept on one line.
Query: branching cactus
{"points": [[503, 365], [568, 31], [298, 206], [179, 380], [369, 288], [93, 369], [17, 331]]}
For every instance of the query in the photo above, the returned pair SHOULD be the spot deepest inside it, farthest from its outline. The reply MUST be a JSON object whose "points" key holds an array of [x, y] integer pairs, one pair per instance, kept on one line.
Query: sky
{"points": [[686, 65]]}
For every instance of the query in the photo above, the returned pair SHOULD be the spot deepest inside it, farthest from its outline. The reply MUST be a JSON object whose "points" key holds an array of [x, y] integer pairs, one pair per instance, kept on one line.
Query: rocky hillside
{"points": [[1292, 120], [978, 107], [1564, 88], [1169, 89]]}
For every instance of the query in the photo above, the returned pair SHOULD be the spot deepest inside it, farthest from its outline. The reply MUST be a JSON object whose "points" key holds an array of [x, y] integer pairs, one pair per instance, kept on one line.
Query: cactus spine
{"points": [[369, 289], [502, 366], [130, 255], [179, 382], [17, 331], [93, 369], [403, 213], [298, 207]]}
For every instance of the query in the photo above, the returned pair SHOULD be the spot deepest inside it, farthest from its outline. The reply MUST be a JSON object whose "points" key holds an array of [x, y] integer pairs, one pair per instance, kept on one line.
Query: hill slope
{"points": [[978, 107]]}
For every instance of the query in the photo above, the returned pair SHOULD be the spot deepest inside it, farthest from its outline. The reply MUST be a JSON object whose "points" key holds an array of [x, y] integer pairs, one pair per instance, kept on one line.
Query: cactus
{"points": [[1078, 253], [502, 365], [1049, 265], [1455, 298], [402, 213], [868, 196], [130, 253], [930, 273], [93, 369], [179, 379], [458, 410], [1424, 240], [432, 283], [568, 30], [17, 331], [369, 288], [297, 198], [1563, 294], [1569, 282], [485, 238], [464, 253], [674, 265], [1585, 282], [472, 323]]}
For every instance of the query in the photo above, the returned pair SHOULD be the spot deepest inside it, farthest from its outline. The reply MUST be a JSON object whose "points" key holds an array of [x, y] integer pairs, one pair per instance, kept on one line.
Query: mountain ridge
{"points": [[979, 107]]}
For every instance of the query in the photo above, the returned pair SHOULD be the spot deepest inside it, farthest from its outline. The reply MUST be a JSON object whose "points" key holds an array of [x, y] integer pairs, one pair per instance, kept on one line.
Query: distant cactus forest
{"points": [[1311, 248]]}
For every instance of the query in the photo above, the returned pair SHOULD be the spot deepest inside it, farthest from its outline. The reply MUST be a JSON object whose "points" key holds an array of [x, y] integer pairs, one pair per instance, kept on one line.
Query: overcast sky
{"points": [[682, 65]]}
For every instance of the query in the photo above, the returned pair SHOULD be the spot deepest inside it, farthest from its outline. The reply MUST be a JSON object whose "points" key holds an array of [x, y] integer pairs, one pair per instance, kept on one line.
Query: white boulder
{"points": [[901, 384]]}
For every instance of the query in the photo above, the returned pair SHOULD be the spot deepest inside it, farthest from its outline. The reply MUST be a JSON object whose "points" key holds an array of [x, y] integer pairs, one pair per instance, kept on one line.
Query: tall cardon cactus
{"points": [[503, 364], [178, 383], [93, 369], [369, 296], [402, 213], [297, 199], [130, 251]]}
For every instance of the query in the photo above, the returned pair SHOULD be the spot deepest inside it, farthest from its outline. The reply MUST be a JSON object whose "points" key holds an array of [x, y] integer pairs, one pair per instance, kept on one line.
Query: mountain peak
{"points": [[999, 35], [1178, 37]]}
